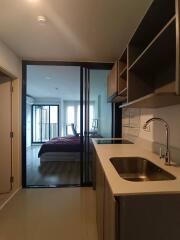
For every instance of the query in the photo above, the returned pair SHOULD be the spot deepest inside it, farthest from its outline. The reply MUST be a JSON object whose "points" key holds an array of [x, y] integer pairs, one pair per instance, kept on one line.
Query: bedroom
{"points": [[55, 111]]}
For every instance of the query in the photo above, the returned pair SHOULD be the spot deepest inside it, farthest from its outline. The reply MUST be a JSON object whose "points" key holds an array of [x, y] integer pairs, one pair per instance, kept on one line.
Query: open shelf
{"points": [[112, 89], [123, 93], [158, 15], [122, 97], [122, 82], [148, 72], [154, 71], [153, 100], [122, 77], [123, 71], [122, 62], [152, 42]]}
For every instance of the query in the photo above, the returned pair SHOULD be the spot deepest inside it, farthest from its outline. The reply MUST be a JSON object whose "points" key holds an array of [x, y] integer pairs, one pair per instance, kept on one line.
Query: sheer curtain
{"points": [[72, 116]]}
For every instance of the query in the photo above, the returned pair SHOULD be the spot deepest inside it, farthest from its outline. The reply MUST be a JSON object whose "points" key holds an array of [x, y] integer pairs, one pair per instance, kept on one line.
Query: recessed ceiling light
{"points": [[42, 19], [32, 1], [48, 77]]}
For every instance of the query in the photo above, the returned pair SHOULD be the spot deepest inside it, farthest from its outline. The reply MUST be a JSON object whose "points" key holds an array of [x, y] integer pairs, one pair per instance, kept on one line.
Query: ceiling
{"points": [[53, 82], [50, 83], [77, 30]]}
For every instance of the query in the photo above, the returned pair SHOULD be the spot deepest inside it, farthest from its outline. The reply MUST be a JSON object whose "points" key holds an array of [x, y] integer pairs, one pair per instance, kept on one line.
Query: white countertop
{"points": [[120, 186]]}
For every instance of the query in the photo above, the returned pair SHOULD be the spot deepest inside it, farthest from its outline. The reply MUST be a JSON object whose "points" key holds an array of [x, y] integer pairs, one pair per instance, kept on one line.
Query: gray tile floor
{"points": [[50, 214]]}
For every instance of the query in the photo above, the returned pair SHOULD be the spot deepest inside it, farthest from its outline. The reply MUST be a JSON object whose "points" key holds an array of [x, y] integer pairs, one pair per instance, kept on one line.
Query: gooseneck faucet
{"points": [[166, 156]]}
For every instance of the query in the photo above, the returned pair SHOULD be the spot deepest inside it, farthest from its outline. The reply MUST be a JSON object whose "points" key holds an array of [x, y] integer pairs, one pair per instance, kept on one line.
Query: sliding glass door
{"points": [[97, 115], [68, 102], [45, 122]]}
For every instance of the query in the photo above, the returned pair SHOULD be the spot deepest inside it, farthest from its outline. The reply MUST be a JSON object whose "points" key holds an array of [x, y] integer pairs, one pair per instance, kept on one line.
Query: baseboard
{"points": [[9, 198]]}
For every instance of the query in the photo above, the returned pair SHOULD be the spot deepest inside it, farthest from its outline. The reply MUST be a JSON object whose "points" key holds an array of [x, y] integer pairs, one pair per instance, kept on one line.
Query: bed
{"points": [[60, 149]]}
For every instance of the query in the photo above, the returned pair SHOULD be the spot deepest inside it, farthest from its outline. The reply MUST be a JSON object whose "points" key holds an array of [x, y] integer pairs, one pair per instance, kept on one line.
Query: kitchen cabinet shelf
{"points": [[122, 96], [123, 92], [122, 79], [153, 100], [117, 80], [122, 82], [149, 68], [123, 62], [152, 23], [112, 89], [156, 68], [123, 71], [170, 24]]}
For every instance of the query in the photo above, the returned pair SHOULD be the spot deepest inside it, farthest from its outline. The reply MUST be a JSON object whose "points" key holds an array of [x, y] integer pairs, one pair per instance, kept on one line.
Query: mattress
{"points": [[61, 144]]}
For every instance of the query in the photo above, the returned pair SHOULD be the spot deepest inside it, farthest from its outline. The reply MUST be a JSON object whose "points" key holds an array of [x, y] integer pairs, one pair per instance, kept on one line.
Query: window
{"points": [[54, 123], [45, 122], [72, 116]]}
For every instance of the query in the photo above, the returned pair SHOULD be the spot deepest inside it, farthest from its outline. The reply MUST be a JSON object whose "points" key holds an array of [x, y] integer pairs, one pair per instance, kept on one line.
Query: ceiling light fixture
{"points": [[42, 19], [32, 1], [48, 78]]}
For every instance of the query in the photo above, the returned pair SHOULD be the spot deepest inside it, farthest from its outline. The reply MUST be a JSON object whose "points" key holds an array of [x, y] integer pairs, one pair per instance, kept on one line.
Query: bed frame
{"points": [[60, 157]]}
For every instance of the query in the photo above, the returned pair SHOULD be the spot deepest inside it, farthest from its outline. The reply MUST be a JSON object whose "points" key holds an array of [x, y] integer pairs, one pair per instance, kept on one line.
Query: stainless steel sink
{"points": [[138, 169]]}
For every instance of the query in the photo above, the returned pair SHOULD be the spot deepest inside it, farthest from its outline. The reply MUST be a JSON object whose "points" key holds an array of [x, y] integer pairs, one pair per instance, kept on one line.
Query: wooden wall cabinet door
{"points": [[99, 200], [110, 214], [106, 207], [5, 139], [113, 82]]}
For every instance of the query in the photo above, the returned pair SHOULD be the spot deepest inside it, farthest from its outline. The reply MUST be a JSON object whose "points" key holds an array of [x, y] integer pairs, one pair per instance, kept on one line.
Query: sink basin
{"points": [[138, 169]]}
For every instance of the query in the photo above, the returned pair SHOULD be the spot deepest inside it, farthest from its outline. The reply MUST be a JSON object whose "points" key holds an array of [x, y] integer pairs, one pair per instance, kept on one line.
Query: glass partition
{"points": [[53, 149], [97, 115]]}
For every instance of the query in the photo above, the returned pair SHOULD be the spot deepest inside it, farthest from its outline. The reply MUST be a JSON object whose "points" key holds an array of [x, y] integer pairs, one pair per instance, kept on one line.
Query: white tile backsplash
{"points": [[134, 119]]}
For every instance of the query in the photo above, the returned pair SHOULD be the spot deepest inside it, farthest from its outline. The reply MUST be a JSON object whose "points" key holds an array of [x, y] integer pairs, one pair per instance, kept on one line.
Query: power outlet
{"points": [[147, 129]]}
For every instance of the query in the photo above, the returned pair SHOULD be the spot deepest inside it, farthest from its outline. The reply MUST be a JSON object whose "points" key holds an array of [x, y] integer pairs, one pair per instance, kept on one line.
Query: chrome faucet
{"points": [[165, 156]]}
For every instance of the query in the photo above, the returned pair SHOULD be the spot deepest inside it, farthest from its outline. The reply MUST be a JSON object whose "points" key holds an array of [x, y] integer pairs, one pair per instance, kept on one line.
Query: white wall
{"points": [[12, 64], [98, 94], [172, 116], [156, 133], [9, 61]]}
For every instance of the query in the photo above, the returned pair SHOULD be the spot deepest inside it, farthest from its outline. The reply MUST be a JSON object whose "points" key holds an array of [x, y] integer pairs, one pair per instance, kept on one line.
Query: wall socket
{"points": [[147, 129]]}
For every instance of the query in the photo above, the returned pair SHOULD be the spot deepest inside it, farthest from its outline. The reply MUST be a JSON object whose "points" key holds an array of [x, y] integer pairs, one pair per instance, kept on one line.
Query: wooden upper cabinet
{"points": [[152, 58], [122, 78], [113, 82], [148, 71], [117, 81]]}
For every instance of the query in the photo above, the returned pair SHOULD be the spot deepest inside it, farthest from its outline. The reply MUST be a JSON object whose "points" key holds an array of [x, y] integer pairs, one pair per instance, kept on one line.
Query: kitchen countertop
{"points": [[120, 186]]}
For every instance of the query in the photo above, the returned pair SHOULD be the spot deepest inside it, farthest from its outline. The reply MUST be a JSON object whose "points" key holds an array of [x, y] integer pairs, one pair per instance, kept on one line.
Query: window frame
{"points": [[32, 121]]}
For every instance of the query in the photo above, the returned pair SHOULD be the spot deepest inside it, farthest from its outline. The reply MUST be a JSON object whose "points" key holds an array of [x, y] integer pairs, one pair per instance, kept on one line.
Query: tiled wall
{"points": [[154, 138]]}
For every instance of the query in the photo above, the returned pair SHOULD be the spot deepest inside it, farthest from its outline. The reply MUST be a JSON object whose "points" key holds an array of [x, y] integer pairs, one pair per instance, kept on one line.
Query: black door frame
{"points": [[25, 63]]}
